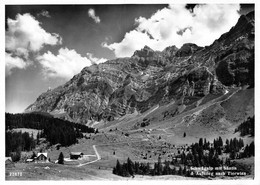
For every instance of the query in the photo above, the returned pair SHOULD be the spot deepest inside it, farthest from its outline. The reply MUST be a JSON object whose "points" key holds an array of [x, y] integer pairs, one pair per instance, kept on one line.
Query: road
{"points": [[97, 154], [98, 158]]}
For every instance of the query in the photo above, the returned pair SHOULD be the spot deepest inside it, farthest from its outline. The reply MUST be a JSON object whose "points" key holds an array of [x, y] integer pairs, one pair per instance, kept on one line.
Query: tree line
{"points": [[15, 142], [53, 129], [131, 168], [247, 127], [202, 153], [41, 121]]}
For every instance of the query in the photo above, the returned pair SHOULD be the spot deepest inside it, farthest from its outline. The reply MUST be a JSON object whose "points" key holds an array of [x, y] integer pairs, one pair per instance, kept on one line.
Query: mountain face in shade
{"points": [[187, 50], [110, 90]]}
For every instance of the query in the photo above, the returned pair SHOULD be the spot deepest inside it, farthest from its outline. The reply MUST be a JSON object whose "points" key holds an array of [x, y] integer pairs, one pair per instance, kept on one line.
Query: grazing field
{"points": [[64, 172], [163, 135], [109, 152]]}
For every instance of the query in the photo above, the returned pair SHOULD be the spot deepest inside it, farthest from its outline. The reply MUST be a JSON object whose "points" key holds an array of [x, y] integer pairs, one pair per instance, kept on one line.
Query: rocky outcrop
{"points": [[235, 61], [145, 52], [117, 87], [170, 51], [187, 50]]}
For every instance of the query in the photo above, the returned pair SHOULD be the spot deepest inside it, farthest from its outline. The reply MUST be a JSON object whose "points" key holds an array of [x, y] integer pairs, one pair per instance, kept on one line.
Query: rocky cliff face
{"points": [[112, 89]]}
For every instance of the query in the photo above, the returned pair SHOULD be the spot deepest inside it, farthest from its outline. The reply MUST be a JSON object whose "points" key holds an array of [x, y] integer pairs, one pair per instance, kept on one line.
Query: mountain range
{"points": [[211, 86]]}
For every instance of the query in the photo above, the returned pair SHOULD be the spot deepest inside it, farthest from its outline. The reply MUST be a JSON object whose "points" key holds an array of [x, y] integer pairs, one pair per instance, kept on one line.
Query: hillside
{"points": [[25, 131]]}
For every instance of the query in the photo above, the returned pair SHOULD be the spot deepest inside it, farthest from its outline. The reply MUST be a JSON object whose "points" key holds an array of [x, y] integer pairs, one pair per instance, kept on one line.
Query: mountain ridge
{"points": [[121, 86]]}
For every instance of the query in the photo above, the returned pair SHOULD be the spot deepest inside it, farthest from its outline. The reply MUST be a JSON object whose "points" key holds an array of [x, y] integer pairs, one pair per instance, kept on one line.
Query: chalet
{"points": [[29, 160], [9, 162], [42, 157], [76, 155]]}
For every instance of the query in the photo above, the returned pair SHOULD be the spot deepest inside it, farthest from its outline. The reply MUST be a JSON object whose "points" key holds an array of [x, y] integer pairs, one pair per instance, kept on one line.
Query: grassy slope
{"points": [[240, 106], [141, 142]]}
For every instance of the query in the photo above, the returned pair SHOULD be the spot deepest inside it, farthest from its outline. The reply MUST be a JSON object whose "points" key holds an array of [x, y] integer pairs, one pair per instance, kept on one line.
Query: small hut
{"points": [[9, 162], [76, 155], [42, 157]]}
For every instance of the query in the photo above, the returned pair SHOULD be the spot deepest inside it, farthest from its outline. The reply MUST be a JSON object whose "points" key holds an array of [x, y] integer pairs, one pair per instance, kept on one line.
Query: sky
{"points": [[46, 45]]}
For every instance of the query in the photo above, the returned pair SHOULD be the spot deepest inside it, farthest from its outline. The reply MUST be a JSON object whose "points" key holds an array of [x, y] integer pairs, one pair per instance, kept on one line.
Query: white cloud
{"points": [[92, 14], [132, 40], [95, 60], [25, 35], [44, 13], [13, 62], [202, 26], [66, 64]]}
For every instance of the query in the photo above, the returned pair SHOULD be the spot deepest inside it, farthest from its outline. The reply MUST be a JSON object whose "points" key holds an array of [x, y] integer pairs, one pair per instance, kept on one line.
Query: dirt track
{"points": [[98, 158]]}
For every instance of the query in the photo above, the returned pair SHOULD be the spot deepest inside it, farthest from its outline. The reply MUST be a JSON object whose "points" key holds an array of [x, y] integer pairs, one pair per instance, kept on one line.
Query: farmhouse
{"points": [[42, 157], [76, 155], [9, 162]]}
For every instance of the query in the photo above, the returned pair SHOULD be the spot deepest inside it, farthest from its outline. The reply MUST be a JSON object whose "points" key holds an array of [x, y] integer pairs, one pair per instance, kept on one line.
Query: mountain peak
{"points": [[243, 28], [251, 15], [187, 49], [147, 48], [170, 51], [146, 51]]}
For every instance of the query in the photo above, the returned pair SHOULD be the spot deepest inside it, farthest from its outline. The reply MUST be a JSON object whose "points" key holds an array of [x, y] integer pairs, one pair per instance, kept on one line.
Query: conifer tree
{"points": [[118, 168], [180, 171], [220, 142], [252, 149], [130, 166], [227, 149], [61, 159], [201, 142], [148, 170], [205, 144], [136, 167]]}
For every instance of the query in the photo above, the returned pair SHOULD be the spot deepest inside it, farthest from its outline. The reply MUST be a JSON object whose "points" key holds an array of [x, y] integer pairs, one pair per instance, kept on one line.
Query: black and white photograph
{"points": [[129, 91]]}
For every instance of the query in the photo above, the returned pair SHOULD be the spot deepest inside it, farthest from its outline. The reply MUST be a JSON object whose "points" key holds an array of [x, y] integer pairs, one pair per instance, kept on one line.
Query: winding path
{"points": [[197, 112], [98, 158]]}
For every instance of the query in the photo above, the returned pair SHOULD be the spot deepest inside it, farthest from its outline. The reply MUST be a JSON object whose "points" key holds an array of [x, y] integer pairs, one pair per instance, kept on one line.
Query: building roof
{"points": [[76, 153], [45, 154], [8, 158], [29, 160]]}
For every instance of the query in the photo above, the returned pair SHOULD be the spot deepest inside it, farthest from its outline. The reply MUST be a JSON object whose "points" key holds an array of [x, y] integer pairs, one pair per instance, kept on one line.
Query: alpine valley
{"points": [[153, 106]]}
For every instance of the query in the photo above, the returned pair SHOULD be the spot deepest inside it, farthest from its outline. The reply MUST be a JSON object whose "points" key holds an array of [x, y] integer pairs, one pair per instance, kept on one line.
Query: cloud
{"points": [[92, 14], [44, 13], [175, 25], [132, 40], [13, 62], [25, 35], [66, 64], [95, 60]]}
